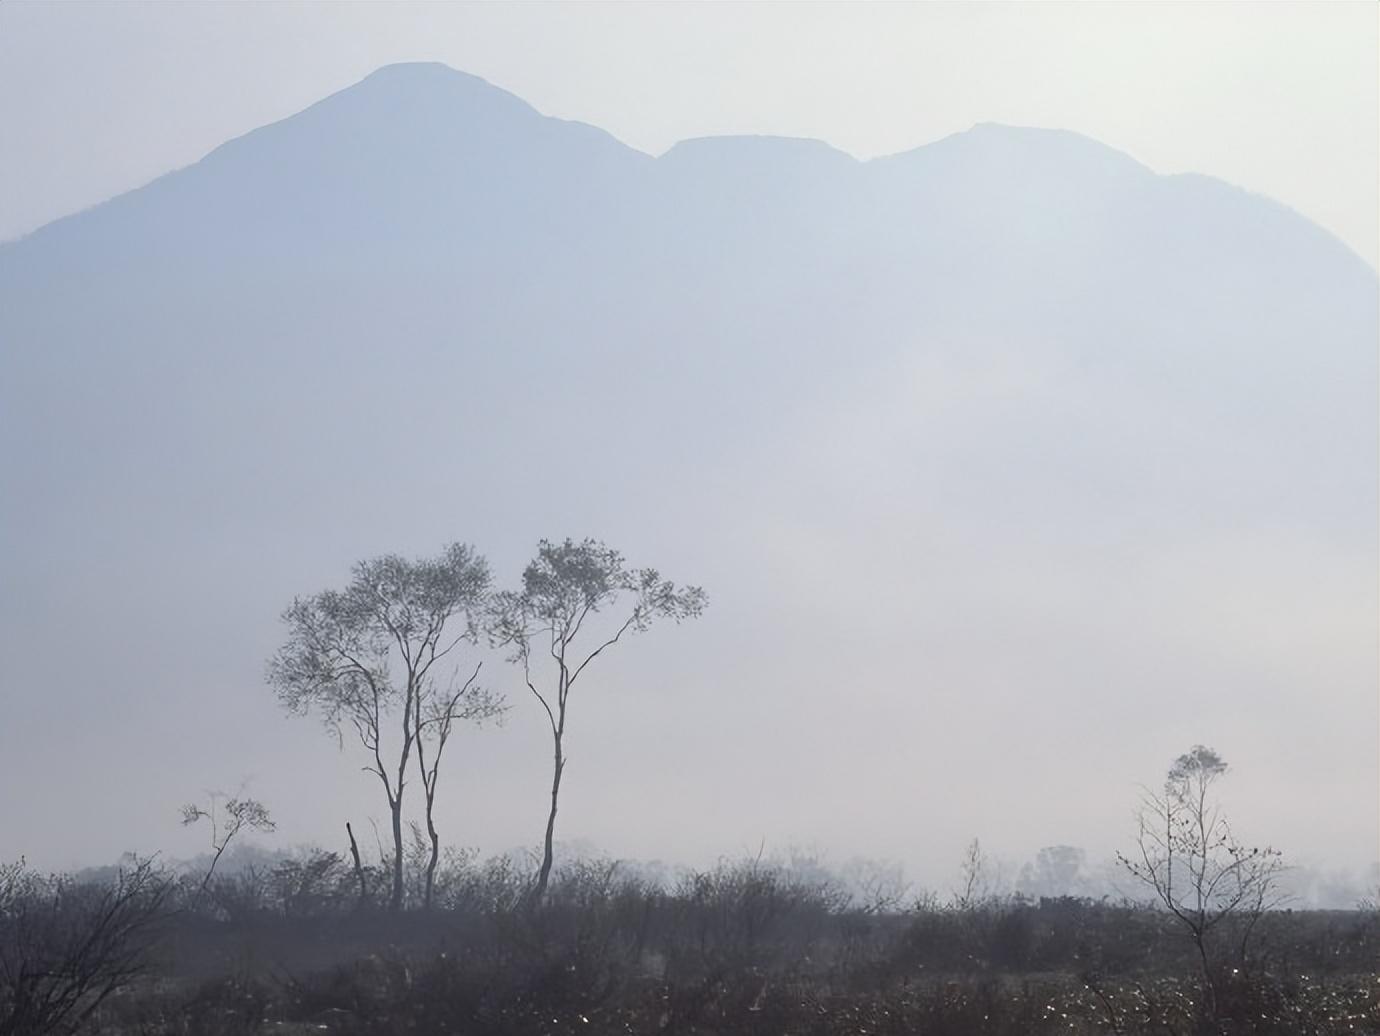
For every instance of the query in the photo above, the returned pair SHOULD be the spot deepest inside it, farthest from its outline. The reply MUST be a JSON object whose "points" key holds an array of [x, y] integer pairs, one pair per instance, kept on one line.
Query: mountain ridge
{"points": [[1044, 437], [389, 88]]}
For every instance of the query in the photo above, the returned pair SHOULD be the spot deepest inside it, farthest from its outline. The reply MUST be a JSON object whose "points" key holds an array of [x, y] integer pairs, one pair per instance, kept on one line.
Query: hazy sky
{"points": [[1280, 98], [936, 499]]}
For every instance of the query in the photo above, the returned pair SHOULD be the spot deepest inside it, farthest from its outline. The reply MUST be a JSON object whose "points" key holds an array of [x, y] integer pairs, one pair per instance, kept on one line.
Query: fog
{"points": [[1011, 468]]}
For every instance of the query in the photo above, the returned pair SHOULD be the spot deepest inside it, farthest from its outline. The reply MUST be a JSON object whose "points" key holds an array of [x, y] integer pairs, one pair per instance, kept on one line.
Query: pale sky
{"points": [[1279, 98], [1056, 598]]}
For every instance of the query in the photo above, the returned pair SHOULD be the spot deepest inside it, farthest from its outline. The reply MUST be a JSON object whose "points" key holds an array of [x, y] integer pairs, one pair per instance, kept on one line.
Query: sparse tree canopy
{"points": [[369, 658], [1196, 768], [565, 589], [226, 822]]}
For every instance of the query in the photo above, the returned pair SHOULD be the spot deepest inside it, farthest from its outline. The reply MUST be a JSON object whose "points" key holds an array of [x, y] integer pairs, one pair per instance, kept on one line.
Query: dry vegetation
{"points": [[744, 948]]}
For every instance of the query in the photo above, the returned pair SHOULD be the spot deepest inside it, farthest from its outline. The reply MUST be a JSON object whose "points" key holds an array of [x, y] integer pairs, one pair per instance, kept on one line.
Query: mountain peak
{"points": [[1003, 143], [423, 68], [428, 76], [414, 91]]}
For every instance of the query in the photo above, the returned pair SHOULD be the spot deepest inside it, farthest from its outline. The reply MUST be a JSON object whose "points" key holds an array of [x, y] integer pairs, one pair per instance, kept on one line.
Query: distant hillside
{"points": [[994, 446]]}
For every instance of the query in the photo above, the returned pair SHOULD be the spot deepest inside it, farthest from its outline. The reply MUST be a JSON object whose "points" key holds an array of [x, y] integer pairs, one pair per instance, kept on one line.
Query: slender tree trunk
{"points": [[395, 902], [206, 881], [435, 854], [1209, 987], [409, 703], [359, 868], [429, 781], [547, 855]]}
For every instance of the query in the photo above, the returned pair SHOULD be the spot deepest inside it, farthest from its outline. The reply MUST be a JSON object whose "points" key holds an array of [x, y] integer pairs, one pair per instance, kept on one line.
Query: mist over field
{"points": [[1011, 469]]}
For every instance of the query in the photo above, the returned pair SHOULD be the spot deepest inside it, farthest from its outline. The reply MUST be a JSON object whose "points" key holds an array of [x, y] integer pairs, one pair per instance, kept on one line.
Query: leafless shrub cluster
{"points": [[65, 946]]}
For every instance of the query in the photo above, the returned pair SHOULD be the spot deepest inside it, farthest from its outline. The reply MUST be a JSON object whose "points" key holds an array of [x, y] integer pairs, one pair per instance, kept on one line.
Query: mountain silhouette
{"points": [[1005, 423]]}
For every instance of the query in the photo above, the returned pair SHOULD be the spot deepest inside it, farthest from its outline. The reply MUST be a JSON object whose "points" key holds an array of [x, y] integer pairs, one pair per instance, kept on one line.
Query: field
{"points": [[742, 948]]}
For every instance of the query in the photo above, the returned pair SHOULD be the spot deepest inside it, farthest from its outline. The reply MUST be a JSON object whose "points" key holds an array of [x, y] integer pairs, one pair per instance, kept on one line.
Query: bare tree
{"points": [[238, 814], [974, 877], [565, 586], [366, 659], [65, 947], [1188, 857]]}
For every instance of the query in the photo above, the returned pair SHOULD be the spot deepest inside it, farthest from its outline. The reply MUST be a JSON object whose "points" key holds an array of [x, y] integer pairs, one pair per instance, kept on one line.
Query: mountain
{"points": [[1002, 448]]}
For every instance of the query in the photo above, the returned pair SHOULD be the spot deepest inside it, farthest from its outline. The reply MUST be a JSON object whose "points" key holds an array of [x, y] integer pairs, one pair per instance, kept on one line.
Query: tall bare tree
{"points": [[1188, 857], [367, 658], [564, 588]]}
